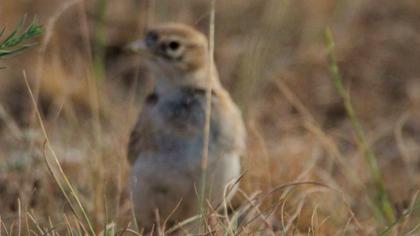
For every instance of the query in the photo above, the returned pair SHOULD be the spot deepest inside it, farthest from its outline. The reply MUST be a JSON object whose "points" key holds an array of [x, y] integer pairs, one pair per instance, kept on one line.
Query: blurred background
{"points": [[271, 56]]}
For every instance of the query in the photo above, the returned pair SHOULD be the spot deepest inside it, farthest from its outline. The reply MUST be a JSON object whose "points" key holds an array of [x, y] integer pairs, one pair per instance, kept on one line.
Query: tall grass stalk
{"points": [[99, 39], [96, 52], [58, 172], [382, 201], [206, 128]]}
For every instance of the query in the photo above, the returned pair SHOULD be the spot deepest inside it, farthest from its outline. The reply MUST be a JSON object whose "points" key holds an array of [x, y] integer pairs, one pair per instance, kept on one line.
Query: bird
{"points": [[165, 148]]}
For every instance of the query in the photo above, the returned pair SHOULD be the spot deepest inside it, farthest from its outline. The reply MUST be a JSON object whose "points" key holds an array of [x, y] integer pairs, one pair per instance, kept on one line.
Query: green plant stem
{"points": [[382, 197], [206, 129], [99, 39]]}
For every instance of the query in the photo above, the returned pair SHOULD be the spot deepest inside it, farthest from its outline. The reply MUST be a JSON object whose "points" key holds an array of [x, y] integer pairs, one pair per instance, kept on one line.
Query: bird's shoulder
{"points": [[141, 136]]}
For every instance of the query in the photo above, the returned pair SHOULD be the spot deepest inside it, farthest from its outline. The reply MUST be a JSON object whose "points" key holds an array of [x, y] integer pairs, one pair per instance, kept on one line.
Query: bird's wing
{"points": [[141, 137], [233, 132]]}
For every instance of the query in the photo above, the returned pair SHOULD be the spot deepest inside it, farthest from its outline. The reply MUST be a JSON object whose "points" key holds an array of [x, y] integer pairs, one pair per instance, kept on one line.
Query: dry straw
{"points": [[206, 128], [57, 171]]}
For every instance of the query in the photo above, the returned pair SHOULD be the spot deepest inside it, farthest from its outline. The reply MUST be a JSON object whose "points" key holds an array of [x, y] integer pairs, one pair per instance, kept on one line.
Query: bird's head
{"points": [[174, 52]]}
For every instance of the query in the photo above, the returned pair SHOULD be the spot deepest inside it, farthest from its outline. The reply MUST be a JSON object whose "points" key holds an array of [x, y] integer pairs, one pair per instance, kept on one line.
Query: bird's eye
{"points": [[174, 45], [171, 50]]}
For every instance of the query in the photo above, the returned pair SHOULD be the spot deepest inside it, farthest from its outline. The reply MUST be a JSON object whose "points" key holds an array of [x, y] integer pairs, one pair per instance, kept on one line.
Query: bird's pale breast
{"points": [[171, 170]]}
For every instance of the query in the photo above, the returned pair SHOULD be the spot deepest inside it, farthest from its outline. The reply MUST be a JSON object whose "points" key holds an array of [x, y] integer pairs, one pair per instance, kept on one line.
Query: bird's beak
{"points": [[138, 46]]}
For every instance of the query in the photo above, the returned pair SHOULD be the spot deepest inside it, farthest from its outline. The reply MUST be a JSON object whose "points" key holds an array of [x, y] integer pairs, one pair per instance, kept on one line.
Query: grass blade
{"points": [[382, 199]]}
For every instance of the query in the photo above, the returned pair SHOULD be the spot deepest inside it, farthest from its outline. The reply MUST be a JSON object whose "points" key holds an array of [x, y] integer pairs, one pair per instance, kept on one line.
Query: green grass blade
{"points": [[382, 199]]}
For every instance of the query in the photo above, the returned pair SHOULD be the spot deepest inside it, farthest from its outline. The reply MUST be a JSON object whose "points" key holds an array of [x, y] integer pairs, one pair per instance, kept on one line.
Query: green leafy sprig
{"points": [[16, 41]]}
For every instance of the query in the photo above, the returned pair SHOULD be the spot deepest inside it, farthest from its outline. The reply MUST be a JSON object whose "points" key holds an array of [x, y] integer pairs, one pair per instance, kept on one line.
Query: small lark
{"points": [[165, 147]]}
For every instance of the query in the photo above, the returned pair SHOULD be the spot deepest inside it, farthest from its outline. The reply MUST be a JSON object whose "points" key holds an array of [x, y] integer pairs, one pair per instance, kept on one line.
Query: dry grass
{"points": [[304, 173]]}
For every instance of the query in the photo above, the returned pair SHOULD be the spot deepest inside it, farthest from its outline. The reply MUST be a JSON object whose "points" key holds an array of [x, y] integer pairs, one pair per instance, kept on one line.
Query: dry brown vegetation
{"points": [[272, 58]]}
